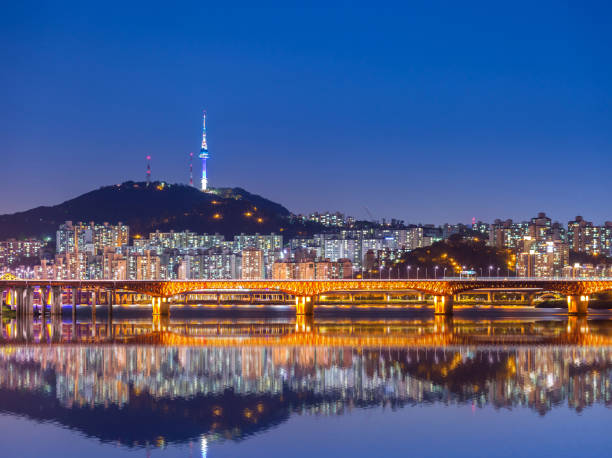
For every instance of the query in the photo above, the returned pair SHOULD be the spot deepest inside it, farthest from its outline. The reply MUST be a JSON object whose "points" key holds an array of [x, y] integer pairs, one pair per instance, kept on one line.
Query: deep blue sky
{"points": [[432, 112]]}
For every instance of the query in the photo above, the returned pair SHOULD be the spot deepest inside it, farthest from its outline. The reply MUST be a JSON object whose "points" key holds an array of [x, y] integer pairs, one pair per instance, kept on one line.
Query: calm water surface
{"points": [[223, 386]]}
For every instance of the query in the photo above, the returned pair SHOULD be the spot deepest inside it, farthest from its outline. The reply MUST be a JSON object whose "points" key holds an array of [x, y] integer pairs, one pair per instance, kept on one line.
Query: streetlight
{"points": [[436, 272], [498, 272], [445, 272], [480, 272], [408, 271], [418, 272], [490, 267]]}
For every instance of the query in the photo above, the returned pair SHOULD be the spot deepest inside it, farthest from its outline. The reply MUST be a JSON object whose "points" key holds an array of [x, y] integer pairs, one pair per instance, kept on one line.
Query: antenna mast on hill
{"points": [[190, 169], [148, 170]]}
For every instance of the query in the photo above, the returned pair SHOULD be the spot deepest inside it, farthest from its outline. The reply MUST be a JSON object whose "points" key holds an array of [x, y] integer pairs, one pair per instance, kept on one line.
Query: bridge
{"points": [[20, 292]]}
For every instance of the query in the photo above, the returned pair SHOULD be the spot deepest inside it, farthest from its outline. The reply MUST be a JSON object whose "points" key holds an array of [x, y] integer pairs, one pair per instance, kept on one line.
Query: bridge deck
{"points": [[447, 286]]}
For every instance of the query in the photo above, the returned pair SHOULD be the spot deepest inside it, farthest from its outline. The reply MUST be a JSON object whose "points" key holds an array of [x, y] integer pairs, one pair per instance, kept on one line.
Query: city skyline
{"points": [[345, 249], [421, 127], [322, 230]]}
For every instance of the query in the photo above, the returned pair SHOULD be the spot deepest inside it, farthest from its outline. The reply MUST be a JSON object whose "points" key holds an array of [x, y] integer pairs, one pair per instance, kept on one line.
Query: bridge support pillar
{"points": [[75, 293], [56, 328], [577, 305], [28, 302], [45, 298], [443, 305], [95, 297], [161, 306], [18, 301], [2, 302], [112, 295], [304, 305], [56, 300]]}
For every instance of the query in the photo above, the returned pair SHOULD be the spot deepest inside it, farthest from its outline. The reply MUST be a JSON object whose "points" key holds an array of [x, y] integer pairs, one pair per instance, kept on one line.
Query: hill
{"points": [[159, 206], [454, 254]]}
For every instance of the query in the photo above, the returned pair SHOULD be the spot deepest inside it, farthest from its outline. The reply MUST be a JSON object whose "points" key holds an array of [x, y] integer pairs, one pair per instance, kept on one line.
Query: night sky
{"points": [[438, 112]]}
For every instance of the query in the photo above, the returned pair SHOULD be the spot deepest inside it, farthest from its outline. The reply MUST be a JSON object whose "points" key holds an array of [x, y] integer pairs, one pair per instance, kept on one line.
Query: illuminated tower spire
{"points": [[148, 170], [204, 154]]}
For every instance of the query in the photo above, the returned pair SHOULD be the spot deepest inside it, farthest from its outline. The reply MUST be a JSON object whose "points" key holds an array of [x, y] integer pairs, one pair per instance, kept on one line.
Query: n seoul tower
{"points": [[204, 154]]}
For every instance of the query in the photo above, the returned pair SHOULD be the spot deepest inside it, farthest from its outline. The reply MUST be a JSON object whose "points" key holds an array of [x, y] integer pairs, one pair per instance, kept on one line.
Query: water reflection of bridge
{"points": [[305, 331]]}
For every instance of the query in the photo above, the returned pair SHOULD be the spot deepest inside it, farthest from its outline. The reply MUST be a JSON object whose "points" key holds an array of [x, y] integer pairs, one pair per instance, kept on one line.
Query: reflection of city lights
{"points": [[534, 364]]}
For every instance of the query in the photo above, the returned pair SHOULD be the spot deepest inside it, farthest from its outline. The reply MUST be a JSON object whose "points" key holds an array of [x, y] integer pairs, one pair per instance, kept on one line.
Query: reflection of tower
{"points": [[203, 446], [148, 170], [190, 169], [204, 154]]}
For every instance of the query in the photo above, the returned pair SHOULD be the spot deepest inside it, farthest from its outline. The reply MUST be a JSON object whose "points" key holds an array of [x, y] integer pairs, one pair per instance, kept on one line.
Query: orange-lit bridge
{"points": [[20, 292]]}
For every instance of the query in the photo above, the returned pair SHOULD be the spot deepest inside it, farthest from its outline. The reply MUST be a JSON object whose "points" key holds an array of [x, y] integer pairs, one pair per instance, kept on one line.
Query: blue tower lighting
{"points": [[204, 154]]}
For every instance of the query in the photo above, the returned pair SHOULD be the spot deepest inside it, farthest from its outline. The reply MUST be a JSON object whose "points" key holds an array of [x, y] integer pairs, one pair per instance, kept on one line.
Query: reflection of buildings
{"points": [[535, 377], [243, 376]]}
